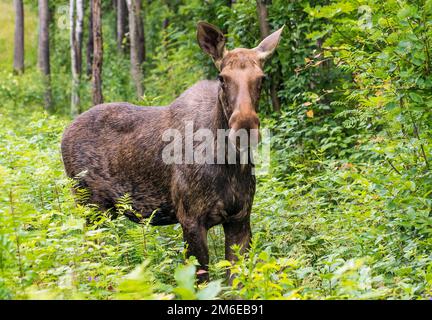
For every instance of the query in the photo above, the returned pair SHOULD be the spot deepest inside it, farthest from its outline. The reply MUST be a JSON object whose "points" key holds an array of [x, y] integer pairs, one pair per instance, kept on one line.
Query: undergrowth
{"points": [[334, 234]]}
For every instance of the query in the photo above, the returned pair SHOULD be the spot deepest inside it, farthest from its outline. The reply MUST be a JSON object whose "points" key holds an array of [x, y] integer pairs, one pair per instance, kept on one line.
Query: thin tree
{"points": [[97, 54], [122, 22], [133, 6], [76, 36], [265, 31], [44, 52], [18, 63], [89, 57], [141, 36]]}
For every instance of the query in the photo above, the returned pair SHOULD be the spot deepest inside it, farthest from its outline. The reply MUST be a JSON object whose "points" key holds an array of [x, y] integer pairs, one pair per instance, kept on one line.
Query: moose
{"points": [[115, 149]]}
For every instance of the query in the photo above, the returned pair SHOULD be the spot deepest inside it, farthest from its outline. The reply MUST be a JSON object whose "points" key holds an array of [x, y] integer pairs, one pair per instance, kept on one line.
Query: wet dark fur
{"points": [[119, 147], [116, 149]]}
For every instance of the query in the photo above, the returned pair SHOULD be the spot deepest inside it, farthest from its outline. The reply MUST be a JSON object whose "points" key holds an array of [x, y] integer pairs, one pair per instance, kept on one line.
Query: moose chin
{"points": [[115, 149]]}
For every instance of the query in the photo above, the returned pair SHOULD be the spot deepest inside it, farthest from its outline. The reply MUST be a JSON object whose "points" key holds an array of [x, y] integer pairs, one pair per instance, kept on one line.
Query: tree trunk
{"points": [[90, 42], [97, 54], [262, 18], [76, 32], [141, 36], [43, 52], [133, 6], [121, 24], [231, 2], [265, 31], [79, 33], [18, 63]]}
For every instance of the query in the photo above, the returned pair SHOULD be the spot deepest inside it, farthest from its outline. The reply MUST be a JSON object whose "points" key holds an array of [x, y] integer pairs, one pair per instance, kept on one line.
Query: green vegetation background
{"points": [[345, 212]]}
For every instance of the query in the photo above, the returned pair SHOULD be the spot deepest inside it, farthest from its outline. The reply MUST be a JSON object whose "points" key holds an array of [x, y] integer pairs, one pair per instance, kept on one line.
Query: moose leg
{"points": [[195, 236], [236, 232]]}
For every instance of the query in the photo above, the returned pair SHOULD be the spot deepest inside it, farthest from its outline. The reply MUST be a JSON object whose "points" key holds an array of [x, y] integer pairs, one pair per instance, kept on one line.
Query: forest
{"points": [[345, 209]]}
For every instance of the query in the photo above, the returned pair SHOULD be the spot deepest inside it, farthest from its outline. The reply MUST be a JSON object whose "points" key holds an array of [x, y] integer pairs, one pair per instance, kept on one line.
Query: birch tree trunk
{"points": [[265, 31], [97, 54], [133, 6], [76, 35], [79, 33], [18, 63], [44, 53]]}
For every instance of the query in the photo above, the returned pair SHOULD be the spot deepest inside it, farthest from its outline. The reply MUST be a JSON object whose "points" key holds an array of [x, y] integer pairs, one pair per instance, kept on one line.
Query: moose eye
{"points": [[221, 79], [264, 78]]}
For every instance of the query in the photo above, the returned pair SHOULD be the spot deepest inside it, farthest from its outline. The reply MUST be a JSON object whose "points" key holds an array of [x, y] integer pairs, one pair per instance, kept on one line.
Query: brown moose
{"points": [[115, 149]]}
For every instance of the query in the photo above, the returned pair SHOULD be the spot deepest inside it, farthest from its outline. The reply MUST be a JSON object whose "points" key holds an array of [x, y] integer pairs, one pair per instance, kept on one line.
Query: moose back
{"points": [[115, 149]]}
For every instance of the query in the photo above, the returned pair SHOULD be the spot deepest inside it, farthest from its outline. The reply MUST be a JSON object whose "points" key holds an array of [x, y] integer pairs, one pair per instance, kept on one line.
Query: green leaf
{"points": [[185, 276], [210, 291], [428, 6], [264, 256], [415, 97], [223, 264], [185, 293]]}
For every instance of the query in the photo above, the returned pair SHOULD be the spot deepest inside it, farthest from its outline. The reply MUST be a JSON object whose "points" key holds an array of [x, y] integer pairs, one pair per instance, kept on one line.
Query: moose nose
{"points": [[244, 120], [244, 125]]}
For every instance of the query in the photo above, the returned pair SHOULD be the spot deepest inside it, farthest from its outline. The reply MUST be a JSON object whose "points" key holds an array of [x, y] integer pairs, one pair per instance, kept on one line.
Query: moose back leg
{"points": [[195, 236], [236, 232]]}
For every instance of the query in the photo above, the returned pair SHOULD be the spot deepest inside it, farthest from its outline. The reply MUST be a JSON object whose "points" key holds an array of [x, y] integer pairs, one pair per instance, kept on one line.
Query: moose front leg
{"points": [[239, 233], [195, 236]]}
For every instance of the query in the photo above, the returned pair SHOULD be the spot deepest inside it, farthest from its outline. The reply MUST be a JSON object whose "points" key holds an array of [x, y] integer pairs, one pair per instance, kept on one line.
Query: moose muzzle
{"points": [[244, 130]]}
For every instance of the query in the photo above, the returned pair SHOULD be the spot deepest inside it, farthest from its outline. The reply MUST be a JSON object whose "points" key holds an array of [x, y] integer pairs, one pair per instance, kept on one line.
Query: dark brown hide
{"points": [[116, 148]]}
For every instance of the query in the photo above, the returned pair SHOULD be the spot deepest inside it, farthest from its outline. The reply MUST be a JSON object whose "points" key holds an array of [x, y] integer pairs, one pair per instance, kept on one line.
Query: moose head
{"points": [[240, 75]]}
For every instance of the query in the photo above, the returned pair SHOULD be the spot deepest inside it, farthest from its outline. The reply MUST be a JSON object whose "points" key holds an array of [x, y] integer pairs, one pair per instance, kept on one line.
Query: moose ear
{"points": [[266, 48], [212, 41]]}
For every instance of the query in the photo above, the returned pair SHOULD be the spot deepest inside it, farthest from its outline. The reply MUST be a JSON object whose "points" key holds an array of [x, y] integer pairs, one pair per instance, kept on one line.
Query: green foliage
{"points": [[345, 212], [47, 248], [263, 276]]}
